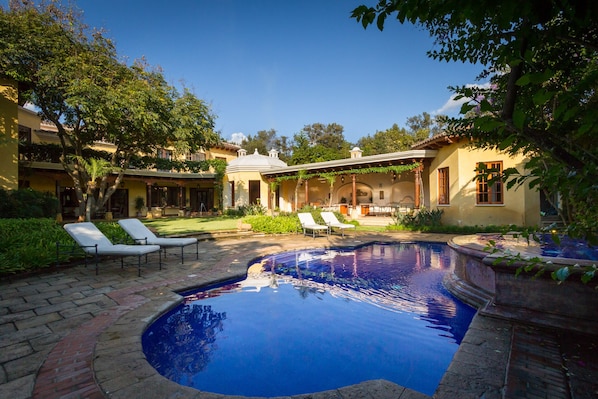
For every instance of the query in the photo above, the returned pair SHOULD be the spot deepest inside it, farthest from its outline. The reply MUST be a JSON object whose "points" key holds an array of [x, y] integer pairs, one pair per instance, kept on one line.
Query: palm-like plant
{"points": [[95, 168]]}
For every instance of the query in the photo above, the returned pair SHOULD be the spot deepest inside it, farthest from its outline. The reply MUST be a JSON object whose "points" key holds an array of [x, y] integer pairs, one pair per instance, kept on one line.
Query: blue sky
{"points": [[284, 64]]}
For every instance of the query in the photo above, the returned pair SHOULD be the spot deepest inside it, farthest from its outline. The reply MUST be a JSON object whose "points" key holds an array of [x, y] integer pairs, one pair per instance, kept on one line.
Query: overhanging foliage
{"points": [[540, 93]]}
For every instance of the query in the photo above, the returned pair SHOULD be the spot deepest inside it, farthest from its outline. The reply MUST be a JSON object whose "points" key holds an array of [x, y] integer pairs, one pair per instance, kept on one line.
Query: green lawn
{"points": [[173, 226]]}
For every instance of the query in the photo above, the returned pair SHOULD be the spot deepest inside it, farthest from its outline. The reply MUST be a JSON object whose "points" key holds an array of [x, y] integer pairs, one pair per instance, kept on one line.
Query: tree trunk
{"points": [[88, 206]]}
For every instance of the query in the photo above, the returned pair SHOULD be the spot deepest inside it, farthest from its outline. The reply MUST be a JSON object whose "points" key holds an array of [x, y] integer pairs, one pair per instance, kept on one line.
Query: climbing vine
{"points": [[303, 175]]}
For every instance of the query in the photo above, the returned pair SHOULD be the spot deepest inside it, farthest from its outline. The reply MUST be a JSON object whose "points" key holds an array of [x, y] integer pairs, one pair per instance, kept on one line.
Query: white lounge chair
{"points": [[308, 223], [332, 222], [94, 243], [142, 235]]}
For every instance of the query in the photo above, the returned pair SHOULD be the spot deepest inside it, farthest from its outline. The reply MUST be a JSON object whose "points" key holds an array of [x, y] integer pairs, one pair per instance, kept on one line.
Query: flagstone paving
{"points": [[68, 333]]}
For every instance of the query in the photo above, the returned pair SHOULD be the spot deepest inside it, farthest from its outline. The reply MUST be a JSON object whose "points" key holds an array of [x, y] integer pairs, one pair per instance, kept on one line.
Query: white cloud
{"points": [[237, 138], [452, 106]]}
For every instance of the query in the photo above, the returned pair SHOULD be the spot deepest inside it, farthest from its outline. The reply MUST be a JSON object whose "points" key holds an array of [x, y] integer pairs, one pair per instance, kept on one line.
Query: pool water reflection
{"points": [[307, 321]]}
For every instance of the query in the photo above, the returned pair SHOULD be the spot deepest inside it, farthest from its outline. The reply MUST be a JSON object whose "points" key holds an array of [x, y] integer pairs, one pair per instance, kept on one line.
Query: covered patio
{"points": [[376, 185]]}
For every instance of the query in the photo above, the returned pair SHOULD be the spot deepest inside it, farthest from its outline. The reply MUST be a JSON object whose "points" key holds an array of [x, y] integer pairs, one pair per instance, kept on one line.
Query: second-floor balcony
{"points": [[38, 153]]}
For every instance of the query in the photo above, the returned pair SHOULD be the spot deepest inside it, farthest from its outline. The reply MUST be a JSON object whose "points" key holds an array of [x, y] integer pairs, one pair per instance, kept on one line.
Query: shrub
{"points": [[27, 203], [253, 209], [419, 219], [451, 229], [29, 244], [233, 212], [246, 210], [282, 224]]}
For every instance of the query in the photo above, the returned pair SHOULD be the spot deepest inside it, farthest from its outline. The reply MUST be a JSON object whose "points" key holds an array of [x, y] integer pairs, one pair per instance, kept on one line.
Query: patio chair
{"points": [[332, 222], [142, 235], [94, 243], [308, 223]]}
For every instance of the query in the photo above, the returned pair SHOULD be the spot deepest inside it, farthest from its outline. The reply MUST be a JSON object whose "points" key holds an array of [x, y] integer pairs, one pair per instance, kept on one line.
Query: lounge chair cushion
{"points": [[142, 235], [332, 221], [91, 239], [308, 222]]}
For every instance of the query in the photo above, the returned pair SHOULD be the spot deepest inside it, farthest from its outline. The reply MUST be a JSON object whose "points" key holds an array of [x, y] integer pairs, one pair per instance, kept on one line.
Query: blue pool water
{"points": [[317, 320], [566, 247]]}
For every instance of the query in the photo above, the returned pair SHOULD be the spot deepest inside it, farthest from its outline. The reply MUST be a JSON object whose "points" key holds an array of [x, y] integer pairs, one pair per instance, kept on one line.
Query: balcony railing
{"points": [[34, 152]]}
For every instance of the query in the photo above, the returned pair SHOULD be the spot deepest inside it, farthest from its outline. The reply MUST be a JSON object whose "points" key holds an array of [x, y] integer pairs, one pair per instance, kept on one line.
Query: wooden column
{"points": [[418, 184], [353, 180], [306, 192], [181, 204], [270, 194], [148, 196]]}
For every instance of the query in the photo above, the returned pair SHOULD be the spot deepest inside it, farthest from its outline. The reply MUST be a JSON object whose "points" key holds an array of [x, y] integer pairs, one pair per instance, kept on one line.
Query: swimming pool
{"points": [[567, 247], [307, 321]]}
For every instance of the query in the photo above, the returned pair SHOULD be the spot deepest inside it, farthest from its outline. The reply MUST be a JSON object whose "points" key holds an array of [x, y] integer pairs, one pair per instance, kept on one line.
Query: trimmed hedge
{"points": [[30, 244], [449, 229], [282, 224]]}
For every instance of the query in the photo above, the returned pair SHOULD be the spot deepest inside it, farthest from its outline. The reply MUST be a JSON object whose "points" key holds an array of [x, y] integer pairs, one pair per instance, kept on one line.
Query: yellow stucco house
{"points": [[467, 201], [9, 136], [438, 173]]}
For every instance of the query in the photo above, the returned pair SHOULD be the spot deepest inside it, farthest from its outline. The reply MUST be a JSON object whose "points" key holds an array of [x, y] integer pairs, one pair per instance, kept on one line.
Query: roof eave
{"points": [[394, 158]]}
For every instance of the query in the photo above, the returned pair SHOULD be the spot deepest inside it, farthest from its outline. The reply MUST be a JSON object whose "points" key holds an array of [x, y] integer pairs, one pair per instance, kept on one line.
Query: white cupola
{"points": [[356, 152]]}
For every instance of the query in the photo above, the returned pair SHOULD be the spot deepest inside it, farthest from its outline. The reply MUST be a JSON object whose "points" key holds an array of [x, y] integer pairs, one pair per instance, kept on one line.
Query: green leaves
{"points": [[365, 15], [535, 78], [561, 274], [519, 118], [78, 81], [541, 64], [193, 124], [542, 96], [589, 274]]}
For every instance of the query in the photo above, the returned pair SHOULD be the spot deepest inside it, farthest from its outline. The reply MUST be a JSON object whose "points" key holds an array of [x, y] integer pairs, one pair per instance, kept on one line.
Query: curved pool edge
{"points": [[122, 371]]}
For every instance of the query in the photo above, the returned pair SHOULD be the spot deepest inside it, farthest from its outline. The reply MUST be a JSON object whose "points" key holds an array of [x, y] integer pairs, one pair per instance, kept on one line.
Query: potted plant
{"points": [[139, 205]]}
